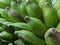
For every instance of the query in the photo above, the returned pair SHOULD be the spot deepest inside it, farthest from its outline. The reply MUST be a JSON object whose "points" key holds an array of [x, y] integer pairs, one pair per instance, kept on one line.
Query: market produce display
{"points": [[29, 22]]}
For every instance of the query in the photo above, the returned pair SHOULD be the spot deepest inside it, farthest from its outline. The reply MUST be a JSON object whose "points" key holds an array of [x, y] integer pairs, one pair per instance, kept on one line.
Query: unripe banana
{"points": [[4, 3], [41, 3], [6, 16], [3, 14], [58, 26], [50, 15], [7, 36], [2, 20], [33, 10], [2, 28], [14, 14], [58, 12], [3, 42], [15, 6], [18, 25], [57, 5], [34, 22], [22, 25], [23, 11], [53, 2], [19, 42], [29, 37], [52, 37]]}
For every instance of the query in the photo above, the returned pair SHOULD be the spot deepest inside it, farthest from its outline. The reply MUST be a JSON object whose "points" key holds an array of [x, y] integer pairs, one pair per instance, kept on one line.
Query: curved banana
{"points": [[2, 20], [41, 3], [18, 25], [58, 26], [14, 15], [58, 12], [19, 42], [6, 16], [3, 42], [34, 10], [2, 29], [9, 15], [21, 25], [50, 15], [29, 37], [57, 5], [38, 27], [15, 6], [23, 11], [7, 36], [4, 3]]}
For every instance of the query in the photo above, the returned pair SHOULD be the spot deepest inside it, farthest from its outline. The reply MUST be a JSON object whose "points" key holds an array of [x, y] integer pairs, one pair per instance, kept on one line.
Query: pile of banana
{"points": [[29, 22]]}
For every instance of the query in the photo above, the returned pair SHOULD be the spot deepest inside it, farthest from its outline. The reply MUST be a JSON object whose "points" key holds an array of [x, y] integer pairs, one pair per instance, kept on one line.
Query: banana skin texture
{"points": [[34, 10], [29, 37], [50, 16], [34, 22]]}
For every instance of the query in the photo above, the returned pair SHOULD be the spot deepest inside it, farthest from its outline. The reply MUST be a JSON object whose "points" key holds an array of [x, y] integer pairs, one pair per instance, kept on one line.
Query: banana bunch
{"points": [[29, 22]]}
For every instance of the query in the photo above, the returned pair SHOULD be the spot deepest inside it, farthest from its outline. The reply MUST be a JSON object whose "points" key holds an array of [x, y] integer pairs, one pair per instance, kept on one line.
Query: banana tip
{"points": [[27, 19]]}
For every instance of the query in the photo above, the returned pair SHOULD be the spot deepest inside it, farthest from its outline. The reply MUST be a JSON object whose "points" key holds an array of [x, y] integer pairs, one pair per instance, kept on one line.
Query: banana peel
{"points": [[29, 37]]}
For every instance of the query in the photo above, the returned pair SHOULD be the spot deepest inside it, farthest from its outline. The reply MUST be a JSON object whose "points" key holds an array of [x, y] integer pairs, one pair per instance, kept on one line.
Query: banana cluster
{"points": [[29, 22]]}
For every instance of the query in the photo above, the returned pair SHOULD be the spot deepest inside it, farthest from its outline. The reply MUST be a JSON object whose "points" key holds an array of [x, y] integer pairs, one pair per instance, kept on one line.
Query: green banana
{"points": [[2, 29], [52, 37], [29, 37], [53, 2], [3, 42], [4, 3], [18, 25], [21, 25], [34, 22], [2, 20], [19, 42], [6, 36], [14, 14], [58, 26], [15, 6], [50, 15], [41, 3], [33, 10], [58, 12], [6, 16], [23, 9], [57, 5]]}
